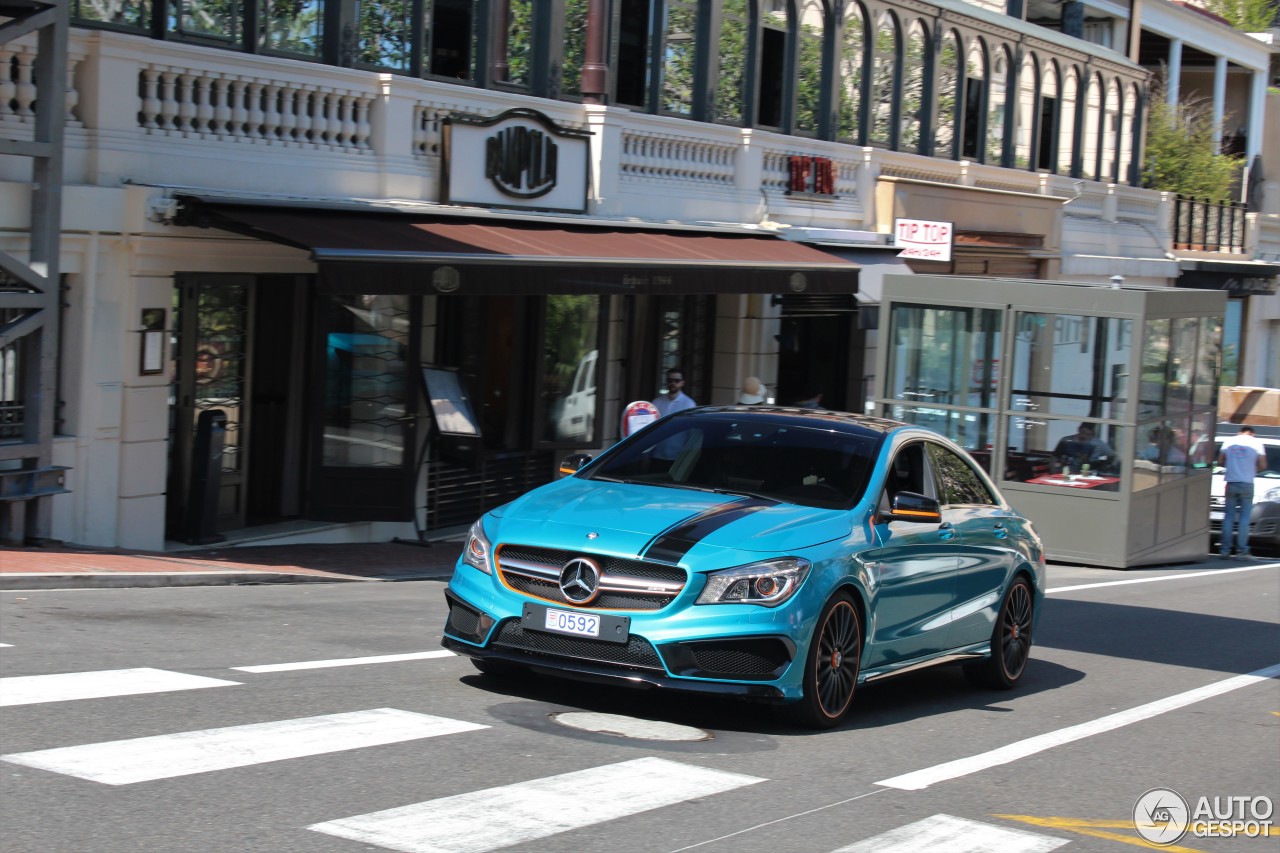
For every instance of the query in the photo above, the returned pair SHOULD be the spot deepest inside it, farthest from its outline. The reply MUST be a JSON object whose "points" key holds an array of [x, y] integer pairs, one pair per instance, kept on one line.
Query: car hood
{"points": [[627, 517]]}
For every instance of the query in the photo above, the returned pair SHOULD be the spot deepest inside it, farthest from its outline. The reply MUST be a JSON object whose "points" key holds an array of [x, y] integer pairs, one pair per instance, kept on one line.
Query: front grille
{"points": [[636, 653], [624, 584], [1217, 502]]}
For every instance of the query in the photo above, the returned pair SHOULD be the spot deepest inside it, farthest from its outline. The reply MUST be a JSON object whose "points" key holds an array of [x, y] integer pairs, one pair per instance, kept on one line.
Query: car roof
{"points": [[1229, 430], [844, 421]]}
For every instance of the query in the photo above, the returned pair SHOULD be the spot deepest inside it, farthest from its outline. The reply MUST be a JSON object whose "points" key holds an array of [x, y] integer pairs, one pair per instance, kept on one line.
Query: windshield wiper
{"points": [[743, 493]]}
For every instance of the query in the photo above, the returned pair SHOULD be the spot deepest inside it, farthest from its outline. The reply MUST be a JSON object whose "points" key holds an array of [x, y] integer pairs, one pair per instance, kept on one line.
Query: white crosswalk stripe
{"points": [[325, 664], [123, 762], [526, 811], [62, 687], [946, 834]]}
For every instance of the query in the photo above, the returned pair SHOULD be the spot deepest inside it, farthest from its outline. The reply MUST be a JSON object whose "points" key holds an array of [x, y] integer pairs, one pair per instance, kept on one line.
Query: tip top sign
{"points": [[922, 239]]}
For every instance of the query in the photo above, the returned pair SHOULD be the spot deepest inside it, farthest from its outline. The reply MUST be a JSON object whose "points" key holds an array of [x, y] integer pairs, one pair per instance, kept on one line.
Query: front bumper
{"points": [[724, 666]]}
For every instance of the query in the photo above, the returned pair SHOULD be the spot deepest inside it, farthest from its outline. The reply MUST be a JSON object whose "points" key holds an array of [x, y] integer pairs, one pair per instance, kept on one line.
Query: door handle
{"points": [[1000, 531], [946, 532]]}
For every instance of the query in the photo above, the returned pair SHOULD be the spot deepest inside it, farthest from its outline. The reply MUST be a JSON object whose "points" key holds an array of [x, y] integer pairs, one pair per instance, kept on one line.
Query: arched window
{"points": [[974, 80], [809, 74], [775, 32], [679, 56], [948, 95], [1025, 123], [1112, 128], [997, 102], [1128, 114], [1092, 128], [885, 62], [1050, 121], [914, 72], [852, 66], [734, 21], [633, 81], [1067, 123], [575, 46]]}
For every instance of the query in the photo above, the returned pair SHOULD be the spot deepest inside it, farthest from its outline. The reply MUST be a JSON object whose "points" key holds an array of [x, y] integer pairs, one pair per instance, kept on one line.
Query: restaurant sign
{"points": [[922, 239], [518, 159]]}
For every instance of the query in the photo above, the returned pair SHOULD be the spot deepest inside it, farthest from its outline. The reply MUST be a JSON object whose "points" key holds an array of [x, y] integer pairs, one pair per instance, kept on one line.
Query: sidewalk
{"points": [[60, 566]]}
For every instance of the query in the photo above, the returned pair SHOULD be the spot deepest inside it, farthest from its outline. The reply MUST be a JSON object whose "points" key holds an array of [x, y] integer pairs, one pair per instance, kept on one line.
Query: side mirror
{"points": [[573, 464], [910, 506]]}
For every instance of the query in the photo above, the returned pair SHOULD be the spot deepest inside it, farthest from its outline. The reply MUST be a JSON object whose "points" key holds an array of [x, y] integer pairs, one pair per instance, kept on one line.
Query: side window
{"points": [[907, 473], [957, 482]]}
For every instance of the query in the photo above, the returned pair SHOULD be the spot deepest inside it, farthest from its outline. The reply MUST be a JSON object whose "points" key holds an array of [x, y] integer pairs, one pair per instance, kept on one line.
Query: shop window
{"points": [[1070, 364], [572, 369], [634, 20], [944, 356], [1208, 355], [1064, 454], [366, 395]]}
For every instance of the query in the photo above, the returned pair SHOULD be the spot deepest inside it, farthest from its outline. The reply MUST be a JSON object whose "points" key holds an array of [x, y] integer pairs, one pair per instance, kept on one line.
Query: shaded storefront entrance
{"points": [[546, 328]]}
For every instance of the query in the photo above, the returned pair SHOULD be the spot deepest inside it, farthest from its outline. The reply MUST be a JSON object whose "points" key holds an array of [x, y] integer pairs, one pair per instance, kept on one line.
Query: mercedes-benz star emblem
{"points": [[580, 580]]}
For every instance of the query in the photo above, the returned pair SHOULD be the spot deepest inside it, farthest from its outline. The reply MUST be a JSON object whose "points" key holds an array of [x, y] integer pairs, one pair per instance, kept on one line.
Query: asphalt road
{"points": [[280, 758]]}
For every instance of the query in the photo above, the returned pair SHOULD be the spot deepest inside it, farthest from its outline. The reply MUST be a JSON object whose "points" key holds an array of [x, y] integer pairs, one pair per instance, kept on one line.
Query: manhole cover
{"points": [[620, 726]]}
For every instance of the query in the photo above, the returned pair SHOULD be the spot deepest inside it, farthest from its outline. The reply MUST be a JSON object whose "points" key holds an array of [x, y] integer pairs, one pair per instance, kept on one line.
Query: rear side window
{"points": [[957, 481]]}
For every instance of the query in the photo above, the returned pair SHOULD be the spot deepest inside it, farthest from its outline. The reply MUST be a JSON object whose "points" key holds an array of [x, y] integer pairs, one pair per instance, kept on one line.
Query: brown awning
{"points": [[375, 252]]}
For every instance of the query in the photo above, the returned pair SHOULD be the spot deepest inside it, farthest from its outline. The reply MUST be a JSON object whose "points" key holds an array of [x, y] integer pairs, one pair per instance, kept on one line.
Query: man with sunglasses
{"points": [[674, 400]]}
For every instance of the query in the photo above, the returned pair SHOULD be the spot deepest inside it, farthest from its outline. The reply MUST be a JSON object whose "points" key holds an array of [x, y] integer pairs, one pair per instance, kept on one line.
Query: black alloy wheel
{"points": [[1010, 641], [831, 668]]}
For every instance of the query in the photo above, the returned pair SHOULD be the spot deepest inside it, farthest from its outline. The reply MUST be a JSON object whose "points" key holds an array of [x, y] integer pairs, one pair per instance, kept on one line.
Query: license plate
{"points": [[599, 626], [566, 622]]}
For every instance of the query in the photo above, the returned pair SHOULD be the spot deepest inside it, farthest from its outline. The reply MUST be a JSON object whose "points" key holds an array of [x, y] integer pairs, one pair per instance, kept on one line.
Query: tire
{"points": [[1010, 641], [830, 668]]}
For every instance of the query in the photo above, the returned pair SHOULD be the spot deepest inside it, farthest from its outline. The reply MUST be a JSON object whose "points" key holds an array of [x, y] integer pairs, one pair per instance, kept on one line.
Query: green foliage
{"points": [[1250, 16], [519, 41], [575, 45], [850, 82], [386, 34], [1180, 156], [809, 79], [733, 60]]}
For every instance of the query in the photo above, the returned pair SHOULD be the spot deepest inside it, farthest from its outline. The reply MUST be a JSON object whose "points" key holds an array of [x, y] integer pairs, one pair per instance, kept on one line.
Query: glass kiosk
{"points": [[1093, 407]]}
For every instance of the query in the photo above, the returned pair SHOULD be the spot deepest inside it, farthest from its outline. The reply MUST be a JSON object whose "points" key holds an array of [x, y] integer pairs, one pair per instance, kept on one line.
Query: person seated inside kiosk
{"points": [[1083, 450]]}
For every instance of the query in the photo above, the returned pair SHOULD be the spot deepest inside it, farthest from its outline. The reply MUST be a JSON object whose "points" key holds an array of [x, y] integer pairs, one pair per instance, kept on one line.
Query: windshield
{"points": [[774, 458]]}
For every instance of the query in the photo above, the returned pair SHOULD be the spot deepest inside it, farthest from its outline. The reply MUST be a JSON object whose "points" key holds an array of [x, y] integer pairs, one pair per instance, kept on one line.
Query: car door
{"points": [[984, 557], [913, 566]]}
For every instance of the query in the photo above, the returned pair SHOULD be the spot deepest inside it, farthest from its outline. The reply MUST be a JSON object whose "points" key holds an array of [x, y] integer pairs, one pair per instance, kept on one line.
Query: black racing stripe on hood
{"points": [[676, 541]]}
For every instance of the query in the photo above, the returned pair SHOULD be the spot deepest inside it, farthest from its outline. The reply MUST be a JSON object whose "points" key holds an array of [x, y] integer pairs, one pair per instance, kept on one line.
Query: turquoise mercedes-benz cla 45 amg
{"points": [[774, 554]]}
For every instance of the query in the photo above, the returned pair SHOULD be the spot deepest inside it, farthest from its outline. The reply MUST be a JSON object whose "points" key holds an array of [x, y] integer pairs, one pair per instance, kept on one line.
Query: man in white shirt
{"points": [[675, 400], [1242, 457]]}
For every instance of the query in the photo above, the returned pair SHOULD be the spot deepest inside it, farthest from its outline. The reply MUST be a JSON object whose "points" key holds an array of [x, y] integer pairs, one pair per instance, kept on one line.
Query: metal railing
{"points": [[1201, 225]]}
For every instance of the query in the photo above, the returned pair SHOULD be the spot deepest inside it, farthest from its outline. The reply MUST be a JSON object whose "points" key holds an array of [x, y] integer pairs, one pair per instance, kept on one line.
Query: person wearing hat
{"points": [[752, 392]]}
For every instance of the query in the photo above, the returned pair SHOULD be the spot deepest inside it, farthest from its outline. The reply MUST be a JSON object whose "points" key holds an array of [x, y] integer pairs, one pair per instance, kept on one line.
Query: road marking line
{"points": [[921, 779], [6, 645], [956, 835], [61, 687], [1095, 829], [322, 664], [1164, 578], [123, 762], [525, 811]]}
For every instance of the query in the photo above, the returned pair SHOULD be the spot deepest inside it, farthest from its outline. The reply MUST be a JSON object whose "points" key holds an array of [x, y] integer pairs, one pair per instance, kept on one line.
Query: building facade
{"points": [[406, 255]]}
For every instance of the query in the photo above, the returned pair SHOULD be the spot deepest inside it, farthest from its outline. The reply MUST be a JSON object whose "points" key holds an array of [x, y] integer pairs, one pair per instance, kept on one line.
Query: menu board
{"points": [[449, 402]]}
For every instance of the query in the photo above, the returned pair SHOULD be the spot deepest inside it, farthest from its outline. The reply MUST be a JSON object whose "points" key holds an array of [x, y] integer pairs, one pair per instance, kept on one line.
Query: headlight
{"points": [[1272, 494], [769, 583], [476, 551]]}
